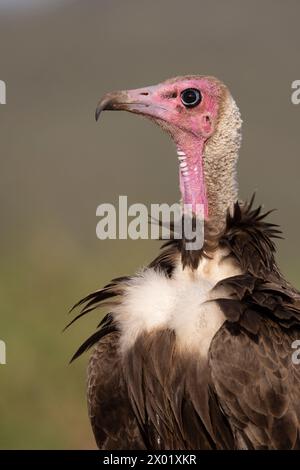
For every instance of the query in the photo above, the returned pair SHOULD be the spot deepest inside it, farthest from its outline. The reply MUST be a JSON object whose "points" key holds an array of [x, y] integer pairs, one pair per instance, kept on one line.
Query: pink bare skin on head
{"points": [[187, 108]]}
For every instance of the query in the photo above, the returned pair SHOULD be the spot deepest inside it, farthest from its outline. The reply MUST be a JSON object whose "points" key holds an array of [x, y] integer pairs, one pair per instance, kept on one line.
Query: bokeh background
{"points": [[57, 165]]}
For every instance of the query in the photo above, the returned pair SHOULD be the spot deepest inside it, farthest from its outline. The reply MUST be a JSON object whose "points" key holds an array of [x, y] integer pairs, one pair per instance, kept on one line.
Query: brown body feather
{"points": [[246, 394]]}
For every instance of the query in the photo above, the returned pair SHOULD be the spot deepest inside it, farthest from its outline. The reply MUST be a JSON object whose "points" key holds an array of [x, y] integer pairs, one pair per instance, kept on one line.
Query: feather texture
{"points": [[244, 393]]}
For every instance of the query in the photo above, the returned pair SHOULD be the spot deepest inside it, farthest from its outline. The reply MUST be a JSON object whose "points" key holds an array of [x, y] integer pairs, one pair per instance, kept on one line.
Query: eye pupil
{"points": [[191, 97]]}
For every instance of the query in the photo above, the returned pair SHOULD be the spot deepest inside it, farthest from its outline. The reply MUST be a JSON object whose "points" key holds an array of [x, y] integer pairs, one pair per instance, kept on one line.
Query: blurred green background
{"points": [[57, 165]]}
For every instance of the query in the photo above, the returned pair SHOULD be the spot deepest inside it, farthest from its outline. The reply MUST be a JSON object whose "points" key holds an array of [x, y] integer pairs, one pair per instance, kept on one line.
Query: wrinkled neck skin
{"points": [[207, 168]]}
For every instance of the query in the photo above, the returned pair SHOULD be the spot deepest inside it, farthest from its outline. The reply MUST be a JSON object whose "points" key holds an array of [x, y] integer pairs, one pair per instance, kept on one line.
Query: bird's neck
{"points": [[207, 168], [220, 170]]}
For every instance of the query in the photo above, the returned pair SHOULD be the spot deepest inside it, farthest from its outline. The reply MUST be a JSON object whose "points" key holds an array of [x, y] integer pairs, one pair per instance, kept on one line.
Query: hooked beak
{"points": [[139, 101]]}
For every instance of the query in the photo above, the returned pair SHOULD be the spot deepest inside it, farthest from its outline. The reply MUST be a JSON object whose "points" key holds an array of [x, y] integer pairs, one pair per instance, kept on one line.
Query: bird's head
{"points": [[204, 122]]}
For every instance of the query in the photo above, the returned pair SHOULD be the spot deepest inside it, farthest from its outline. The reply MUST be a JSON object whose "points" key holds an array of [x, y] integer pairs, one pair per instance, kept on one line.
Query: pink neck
{"points": [[191, 175]]}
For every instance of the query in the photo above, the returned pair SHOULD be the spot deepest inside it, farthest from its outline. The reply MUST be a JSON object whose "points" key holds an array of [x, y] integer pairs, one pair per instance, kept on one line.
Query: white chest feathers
{"points": [[185, 303]]}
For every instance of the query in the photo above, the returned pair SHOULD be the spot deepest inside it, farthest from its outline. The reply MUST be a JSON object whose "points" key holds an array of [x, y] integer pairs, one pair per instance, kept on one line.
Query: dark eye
{"points": [[191, 97]]}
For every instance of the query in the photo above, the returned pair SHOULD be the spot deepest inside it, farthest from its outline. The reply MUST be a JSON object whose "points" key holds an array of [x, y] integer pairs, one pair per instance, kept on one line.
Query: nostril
{"points": [[144, 93]]}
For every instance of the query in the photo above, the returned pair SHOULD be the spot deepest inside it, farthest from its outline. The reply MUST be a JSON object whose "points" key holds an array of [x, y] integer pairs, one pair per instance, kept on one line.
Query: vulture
{"points": [[196, 350]]}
